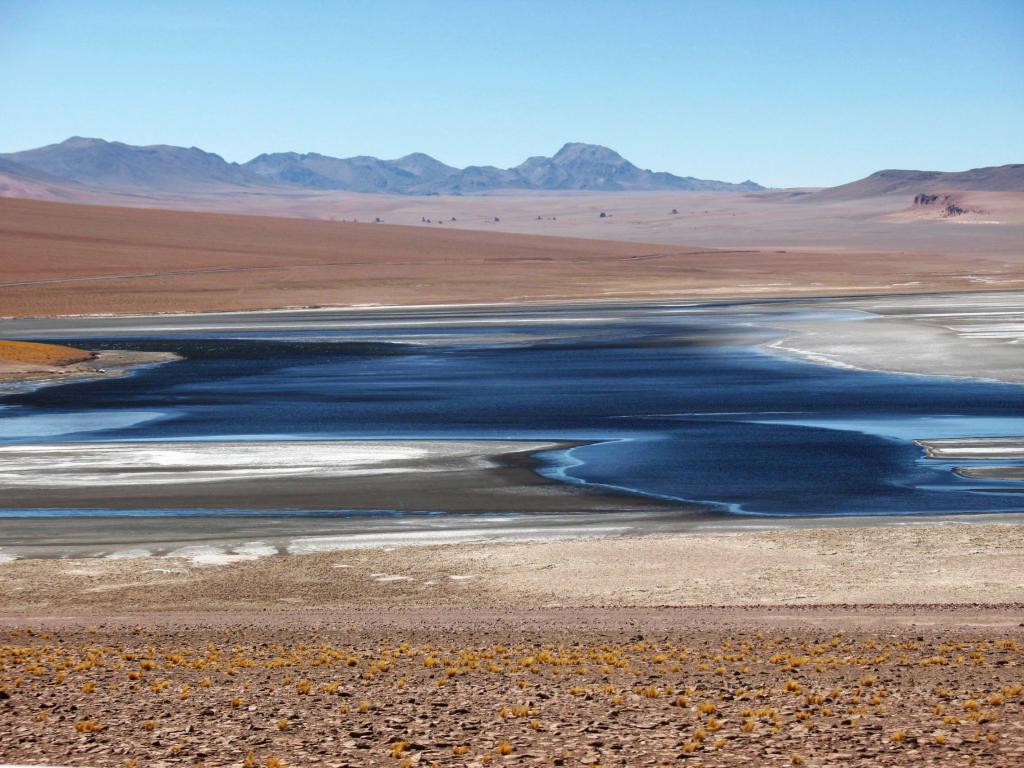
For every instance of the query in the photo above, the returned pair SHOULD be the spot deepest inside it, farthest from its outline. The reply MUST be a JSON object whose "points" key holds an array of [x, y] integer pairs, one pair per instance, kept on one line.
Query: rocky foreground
{"points": [[816, 687]]}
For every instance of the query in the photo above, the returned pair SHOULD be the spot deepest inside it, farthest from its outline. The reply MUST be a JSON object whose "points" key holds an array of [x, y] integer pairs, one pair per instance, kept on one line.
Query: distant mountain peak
{"points": [[419, 157], [578, 150]]}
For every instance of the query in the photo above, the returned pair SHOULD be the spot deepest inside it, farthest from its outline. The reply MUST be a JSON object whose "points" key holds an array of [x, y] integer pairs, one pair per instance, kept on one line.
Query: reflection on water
{"points": [[680, 401]]}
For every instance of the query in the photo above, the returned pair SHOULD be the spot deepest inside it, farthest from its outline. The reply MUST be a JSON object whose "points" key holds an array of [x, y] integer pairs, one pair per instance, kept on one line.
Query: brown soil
{"points": [[69, 259]]}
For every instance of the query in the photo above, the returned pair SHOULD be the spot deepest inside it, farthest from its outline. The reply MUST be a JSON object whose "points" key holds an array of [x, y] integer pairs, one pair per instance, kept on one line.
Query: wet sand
{"points": [[331, 475], [992, 473]]}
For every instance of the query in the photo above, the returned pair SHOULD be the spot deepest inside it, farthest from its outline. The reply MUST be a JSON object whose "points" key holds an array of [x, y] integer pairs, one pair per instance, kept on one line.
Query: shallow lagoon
{"points": [[675, 401]]}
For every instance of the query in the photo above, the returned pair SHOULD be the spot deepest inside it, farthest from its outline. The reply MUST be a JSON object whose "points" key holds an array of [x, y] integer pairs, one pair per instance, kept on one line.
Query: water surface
{"points": [[676, 401]]}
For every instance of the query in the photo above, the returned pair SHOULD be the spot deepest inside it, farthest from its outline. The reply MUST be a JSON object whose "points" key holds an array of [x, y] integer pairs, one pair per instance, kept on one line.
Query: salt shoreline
{"points": [[900, 336], [950, 336], [936, 562]]}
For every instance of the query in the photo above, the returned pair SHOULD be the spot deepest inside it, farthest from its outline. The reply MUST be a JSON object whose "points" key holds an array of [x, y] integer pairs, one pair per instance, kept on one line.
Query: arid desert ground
{"points": [[59, 259]]}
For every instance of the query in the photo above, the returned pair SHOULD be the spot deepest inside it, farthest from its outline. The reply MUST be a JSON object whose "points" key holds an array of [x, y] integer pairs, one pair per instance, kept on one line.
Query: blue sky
{"points": [[786, 93]]}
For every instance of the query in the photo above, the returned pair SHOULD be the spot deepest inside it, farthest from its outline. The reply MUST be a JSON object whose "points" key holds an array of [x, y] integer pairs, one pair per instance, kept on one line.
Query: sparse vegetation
{"points": [[788, 689]]}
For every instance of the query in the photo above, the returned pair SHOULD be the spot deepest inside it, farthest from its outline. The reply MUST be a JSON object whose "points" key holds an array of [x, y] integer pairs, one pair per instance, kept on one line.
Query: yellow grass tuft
{"points": [[398, 748], [33, 353]]}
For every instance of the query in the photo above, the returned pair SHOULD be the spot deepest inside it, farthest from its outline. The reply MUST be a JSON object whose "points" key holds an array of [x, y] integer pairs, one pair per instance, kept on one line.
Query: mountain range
{"points": [[123, 168]]}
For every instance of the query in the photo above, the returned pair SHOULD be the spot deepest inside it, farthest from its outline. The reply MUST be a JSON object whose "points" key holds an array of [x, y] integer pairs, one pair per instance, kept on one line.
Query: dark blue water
{"points": [[683, 405]]}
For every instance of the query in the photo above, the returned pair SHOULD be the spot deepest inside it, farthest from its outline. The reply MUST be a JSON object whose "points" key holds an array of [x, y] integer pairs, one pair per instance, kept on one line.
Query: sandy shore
{"points": [[915, 563]]}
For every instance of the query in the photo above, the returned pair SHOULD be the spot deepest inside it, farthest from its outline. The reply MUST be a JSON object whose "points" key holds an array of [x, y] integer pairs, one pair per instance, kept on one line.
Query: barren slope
{"points": [[68, 259]]}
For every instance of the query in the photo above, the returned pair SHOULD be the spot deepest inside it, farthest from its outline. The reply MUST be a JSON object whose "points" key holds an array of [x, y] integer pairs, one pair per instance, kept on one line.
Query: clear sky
{"points": [[786, 93]]}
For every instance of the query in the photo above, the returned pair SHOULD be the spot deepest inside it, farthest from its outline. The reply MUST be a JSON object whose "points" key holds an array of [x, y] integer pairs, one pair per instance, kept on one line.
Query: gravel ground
{"points": [[711, 687]]}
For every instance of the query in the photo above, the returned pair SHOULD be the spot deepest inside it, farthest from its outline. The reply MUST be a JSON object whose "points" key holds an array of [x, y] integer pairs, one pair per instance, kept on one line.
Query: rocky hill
{"points": [[1001, 178]]}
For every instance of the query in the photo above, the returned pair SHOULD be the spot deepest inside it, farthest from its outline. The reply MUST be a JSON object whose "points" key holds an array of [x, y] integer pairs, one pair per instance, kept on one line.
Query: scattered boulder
{"points": [[948, 205]]}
